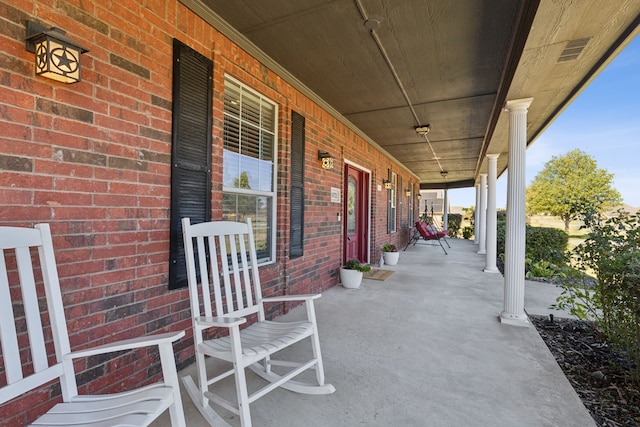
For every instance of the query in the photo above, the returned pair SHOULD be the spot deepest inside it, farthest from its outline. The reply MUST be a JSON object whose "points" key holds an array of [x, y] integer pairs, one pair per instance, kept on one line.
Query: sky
{"points": [[603, 121]]}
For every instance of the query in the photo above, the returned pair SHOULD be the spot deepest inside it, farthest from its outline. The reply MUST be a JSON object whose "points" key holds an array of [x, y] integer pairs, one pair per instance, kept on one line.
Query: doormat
{"points": [[377, 274]]}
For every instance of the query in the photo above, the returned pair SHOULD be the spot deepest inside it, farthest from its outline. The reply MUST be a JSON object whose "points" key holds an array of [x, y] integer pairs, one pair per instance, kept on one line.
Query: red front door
{"points": [[356, 219]]}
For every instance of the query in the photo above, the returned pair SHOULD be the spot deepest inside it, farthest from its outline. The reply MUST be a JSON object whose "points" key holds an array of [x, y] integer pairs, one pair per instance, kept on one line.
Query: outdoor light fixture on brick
{"points": [[387, 184], [326, 159], [57, 56], [407, 192]]}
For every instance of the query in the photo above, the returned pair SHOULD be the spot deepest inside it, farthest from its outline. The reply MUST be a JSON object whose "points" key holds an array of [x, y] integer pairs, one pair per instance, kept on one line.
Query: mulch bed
{"points": [[599, 374]]}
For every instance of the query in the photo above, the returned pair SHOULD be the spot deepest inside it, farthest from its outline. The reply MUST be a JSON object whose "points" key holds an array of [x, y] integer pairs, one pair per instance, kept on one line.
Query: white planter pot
{"points": [[391, 258], [350, 279]]}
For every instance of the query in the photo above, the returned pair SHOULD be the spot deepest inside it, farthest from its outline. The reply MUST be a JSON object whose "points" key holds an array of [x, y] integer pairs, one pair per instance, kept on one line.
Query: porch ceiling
{"points": [[388, 67]]}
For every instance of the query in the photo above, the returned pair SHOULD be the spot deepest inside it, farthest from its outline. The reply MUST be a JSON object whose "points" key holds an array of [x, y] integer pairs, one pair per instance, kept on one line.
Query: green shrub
{"points": [[545, 249], [542, 268], [454, 224], [467, 232], [547, 244], [611, 250], [577, 297], [501, 228]]}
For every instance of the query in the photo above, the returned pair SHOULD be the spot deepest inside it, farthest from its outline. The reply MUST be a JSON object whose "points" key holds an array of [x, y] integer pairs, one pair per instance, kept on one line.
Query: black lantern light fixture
{"points": [[387, 184], [326, 159], [57, 56]]}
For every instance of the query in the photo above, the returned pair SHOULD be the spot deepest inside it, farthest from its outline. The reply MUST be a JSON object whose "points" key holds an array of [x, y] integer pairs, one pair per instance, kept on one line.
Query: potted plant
{"points": [[390, 254], [351, 273]]}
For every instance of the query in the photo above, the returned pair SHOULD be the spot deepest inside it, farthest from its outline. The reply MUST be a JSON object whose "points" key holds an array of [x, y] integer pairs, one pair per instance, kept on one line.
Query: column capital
{"points": [[493, 156], [518, 104]]}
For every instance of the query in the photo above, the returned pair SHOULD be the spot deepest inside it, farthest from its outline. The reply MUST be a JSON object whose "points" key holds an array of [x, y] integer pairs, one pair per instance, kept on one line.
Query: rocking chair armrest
{"points": [[157, 339], [285, 298], [219, 321]]}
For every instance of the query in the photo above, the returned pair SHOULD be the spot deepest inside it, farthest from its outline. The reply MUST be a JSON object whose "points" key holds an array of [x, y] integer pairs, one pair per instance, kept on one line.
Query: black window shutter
{"points": [[399, 201], [191, 150], [296, 238], [389, 208]]}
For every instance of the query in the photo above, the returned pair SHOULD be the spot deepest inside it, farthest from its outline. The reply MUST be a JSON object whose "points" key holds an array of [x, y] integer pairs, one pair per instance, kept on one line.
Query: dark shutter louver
{"points": [[191, 150], [389, 208], [399, 201], [296, 240]]}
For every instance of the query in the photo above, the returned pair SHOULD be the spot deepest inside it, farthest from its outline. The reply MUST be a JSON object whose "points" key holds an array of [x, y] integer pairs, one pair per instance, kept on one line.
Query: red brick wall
{"points": [[93, 160]]}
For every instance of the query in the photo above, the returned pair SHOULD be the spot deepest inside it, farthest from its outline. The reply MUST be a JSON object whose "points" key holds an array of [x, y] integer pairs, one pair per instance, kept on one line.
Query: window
{"points": [[249, 163], [391, 211]]}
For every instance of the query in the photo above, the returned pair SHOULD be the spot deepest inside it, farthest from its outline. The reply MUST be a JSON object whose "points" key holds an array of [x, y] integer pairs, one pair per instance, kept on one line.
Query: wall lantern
{"points": [[326, 158], [57, 56], [419, 196], [407, 192], [387, 184]]}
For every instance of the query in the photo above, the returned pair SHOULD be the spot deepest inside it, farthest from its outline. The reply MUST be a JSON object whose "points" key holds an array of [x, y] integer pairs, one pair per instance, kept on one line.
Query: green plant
{"points": [[389, 247], [577, 298], [612, 251], [542, 268], [454, 222], [542, 244], [354, 264], [547, 244], [501, 230], [469, 214], [467, 232]]}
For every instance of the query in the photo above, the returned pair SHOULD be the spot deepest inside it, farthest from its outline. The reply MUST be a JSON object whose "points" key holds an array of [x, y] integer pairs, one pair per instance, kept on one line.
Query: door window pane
{"points": [[351, 205]]}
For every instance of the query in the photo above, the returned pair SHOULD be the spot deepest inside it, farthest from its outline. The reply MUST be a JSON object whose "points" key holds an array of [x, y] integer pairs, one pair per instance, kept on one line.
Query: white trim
{"points": [[356, 165]]}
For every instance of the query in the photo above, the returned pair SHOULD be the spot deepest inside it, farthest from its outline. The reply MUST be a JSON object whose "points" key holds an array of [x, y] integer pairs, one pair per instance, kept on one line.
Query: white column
{"points": [[475, 216], [492, 220], [513, 312], [445, 210], [482, 215]]}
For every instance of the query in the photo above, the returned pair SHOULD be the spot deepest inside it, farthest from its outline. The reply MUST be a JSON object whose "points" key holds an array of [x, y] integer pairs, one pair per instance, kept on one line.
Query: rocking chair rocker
{"points": [[226, 250]]}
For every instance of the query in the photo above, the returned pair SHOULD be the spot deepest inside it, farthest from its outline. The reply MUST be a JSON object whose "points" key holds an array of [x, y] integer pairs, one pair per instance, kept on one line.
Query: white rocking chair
{"points": [[227, 250], [30, 369]]}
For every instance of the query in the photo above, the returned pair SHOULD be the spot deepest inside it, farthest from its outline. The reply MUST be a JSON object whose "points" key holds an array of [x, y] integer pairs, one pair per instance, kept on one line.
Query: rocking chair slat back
{"points": [[227, 269], [33, 366], [228, 263], [28, 278]]}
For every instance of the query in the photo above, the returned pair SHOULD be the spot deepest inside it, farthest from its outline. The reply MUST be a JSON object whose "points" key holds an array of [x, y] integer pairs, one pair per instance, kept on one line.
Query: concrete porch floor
{"points": [[424, 348]]}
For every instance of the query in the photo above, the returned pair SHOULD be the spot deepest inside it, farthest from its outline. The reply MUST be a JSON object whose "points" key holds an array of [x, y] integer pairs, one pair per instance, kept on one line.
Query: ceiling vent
{"points": [[573, 49]]}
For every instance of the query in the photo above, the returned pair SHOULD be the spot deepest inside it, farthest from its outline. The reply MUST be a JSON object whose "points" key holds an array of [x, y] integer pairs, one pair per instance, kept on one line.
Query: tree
{"points": [[568, 183]]}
